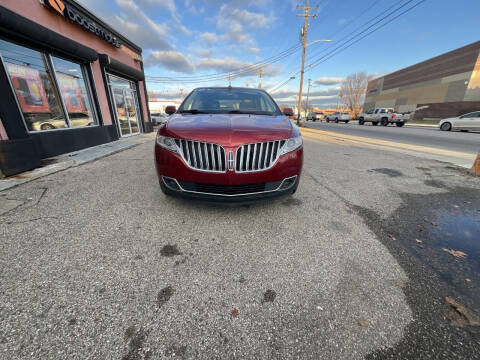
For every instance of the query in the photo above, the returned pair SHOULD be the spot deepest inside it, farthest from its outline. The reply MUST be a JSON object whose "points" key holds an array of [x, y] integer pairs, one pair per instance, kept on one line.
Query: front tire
{"points": [[361, 121], [328, 121], [446, 126], [336, 121], [384, 122]]}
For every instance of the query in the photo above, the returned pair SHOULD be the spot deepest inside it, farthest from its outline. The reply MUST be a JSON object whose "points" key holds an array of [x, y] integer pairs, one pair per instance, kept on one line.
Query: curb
{"points": [[66, 161]]}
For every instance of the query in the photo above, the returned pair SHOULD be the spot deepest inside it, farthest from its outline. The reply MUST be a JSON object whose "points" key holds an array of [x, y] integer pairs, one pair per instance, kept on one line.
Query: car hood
{"points": [[228, 129]]}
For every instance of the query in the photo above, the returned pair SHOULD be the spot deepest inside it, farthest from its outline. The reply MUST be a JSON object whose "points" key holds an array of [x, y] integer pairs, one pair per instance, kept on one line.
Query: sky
{"points": [[183, 39]]}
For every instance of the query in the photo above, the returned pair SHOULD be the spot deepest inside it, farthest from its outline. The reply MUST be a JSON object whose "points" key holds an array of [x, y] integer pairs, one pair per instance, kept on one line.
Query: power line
{"points": [[238, 71], [364, 30], [359, 27], [343, 46]]}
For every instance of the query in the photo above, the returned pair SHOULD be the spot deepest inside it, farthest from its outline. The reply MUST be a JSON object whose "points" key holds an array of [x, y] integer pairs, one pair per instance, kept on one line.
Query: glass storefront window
{"points": [[73, 89], [52, 93], [34, 87]]}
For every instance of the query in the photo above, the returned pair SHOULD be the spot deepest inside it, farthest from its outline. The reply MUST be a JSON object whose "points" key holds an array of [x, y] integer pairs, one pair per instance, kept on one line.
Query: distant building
{"points": [[444, 86]]}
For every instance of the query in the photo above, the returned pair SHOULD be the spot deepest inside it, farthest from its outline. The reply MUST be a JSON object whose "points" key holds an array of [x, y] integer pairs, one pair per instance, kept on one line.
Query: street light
{"points": [[316, 41]]}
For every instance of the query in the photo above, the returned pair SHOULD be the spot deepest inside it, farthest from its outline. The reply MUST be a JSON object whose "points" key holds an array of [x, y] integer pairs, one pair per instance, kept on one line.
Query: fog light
{"points": [[171, 183], [288, 183]]}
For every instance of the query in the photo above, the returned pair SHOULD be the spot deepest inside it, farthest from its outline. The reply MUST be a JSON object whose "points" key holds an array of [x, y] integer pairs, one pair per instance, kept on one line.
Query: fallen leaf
{"points": [[362, 323], [419, 241], [456, 253], [401, 284], [234, 313], [468, 280], [392, 237], [459, 314]]}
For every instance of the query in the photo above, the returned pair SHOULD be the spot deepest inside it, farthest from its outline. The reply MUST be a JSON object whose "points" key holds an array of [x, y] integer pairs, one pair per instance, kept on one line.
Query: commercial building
{"points": [[68, 81], [444, 86]]}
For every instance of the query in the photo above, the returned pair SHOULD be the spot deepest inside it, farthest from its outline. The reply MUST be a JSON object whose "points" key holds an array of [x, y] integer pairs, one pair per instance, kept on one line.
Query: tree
{"points": [[353, 91]]}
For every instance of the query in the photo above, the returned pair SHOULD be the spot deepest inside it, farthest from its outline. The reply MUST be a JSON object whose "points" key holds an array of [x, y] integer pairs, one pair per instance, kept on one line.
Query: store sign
{"points": [[88, 24]]}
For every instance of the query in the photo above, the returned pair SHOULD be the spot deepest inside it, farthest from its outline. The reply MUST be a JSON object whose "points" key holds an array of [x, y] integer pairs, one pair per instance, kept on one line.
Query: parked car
{"points": [[289, 113], [338, 116], [228, 144], [315, 115], [466, 122], [158, 118], [384, 116]]}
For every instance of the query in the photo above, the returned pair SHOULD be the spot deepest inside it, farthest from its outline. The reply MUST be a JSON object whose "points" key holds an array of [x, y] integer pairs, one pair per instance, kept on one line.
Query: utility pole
{"points": [[306, 14], [308, 94], [260, 73]]}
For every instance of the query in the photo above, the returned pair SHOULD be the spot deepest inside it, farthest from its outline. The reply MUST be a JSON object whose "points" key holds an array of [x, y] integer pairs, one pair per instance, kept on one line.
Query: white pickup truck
{"points": [[338, 116], [384, 116]]}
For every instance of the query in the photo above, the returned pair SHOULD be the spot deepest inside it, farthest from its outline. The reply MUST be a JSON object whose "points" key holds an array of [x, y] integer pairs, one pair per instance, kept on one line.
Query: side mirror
{"points": [[170, 109], [288, 112]]}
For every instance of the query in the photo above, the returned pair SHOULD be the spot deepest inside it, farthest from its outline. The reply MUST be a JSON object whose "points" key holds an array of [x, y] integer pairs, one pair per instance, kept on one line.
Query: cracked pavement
{"points": [[98, 264]]}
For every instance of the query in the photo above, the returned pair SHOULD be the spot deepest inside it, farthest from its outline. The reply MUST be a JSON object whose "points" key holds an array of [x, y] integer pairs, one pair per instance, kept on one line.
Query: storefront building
{"points": [[68, 81], [444, 86]]}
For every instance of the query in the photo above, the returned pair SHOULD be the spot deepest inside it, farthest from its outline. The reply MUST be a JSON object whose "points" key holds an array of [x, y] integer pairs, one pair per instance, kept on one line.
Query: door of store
{"points": [[125, 101]]}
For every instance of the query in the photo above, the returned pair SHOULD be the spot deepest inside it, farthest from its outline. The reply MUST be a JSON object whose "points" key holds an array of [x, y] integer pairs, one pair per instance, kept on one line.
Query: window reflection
{"points": [[72, 87], [33, 84], [39, 97]]}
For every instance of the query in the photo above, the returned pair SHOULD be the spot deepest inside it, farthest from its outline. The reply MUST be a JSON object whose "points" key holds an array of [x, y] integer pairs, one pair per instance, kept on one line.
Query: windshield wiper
{"points": [[239, 112], [192, 111]]}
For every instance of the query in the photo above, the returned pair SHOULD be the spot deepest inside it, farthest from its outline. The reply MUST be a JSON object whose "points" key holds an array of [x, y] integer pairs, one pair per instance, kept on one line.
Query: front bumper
{"points": [[229, 193]]}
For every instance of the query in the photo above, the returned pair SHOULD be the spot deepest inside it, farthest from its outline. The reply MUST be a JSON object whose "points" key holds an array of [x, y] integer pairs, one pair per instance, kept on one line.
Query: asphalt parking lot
{"points": [[98, 264]]}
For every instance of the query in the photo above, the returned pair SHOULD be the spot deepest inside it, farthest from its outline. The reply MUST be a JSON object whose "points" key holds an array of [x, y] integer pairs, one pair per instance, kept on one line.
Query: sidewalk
{"points": [[66, 161]]}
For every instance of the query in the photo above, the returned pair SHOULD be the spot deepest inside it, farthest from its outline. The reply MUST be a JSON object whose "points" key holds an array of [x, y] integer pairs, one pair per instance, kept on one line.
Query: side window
{"points": [[376, 111], [383, 111]]}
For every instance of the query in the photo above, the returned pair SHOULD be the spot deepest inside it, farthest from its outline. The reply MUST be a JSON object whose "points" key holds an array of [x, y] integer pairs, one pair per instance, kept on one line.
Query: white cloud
{"points": [[139, 35], [234, 22], [209, 37], [134, 11], [344, 21], [329, 80], [170, 59], [252, 49], [183, 30], [165, 4]]}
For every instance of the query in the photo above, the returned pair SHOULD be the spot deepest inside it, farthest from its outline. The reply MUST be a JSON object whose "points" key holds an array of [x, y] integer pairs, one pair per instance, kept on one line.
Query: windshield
{"points": [[229, 101]]}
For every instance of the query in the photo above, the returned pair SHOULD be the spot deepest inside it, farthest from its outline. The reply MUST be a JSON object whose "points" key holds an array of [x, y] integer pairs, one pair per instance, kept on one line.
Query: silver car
{"points": [[470, 121]]}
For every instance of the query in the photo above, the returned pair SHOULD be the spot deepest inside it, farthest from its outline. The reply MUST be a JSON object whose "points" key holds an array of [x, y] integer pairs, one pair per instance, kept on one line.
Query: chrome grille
{"points": [[202, 155], [258, 156]]}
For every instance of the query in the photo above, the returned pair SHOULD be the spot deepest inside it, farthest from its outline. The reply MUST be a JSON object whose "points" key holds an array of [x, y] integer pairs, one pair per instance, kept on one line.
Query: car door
{"points": [[466, 121], [473, 121]]}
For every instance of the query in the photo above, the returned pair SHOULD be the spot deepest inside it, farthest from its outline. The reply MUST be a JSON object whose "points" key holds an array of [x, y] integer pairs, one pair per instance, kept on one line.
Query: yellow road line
{"points": [[365, 141]]}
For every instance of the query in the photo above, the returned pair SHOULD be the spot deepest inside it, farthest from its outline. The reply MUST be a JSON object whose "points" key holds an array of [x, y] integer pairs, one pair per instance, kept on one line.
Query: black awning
{"points": [[22, 29], [120, 68]]}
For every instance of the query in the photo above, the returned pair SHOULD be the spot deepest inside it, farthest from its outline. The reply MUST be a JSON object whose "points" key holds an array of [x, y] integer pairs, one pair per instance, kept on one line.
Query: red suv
{"points": [[228, 144]]}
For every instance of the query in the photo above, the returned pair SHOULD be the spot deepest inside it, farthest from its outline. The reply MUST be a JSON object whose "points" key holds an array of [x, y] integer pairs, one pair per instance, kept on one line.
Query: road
{"points": [[453, 147], [416, 135], [97, 263]]}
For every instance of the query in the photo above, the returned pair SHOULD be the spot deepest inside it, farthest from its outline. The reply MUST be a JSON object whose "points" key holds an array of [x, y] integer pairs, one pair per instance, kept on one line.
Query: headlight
{"points": [[291, 144], [167, 143]]}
